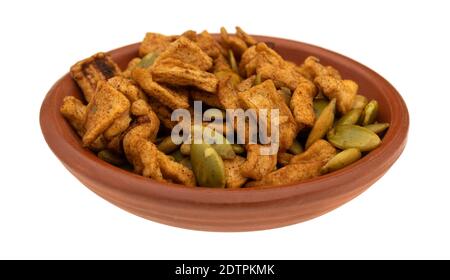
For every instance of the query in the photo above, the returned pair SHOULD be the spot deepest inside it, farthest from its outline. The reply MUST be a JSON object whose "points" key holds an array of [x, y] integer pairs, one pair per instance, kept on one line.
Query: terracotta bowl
{"points": [[232, 210]]}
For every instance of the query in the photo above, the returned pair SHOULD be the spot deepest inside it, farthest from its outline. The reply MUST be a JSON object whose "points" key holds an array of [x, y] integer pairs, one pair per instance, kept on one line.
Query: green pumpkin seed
{"points": [[341, 160], [159, 139], [171, 158], [286, 94], [323, 124], [296, 148], [233, 63], [257, 79], [217, 141], [283, 159], [377, 127], [319, 105], [167, 146], [360, 102], [238, 149], [177, 156], [147, 60], [224, 150], [185, 149], [352, 117], [369, 114], [286, 90], [207, 166], [111, 157], [353, 136], [187, 163]]}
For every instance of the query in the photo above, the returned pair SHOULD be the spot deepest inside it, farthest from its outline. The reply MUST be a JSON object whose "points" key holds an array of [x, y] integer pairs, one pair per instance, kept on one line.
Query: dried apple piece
{"points": [[88, 72]]}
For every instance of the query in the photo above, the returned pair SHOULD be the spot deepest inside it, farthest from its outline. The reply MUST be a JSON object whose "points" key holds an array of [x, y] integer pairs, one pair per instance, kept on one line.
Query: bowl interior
{"points": [[66, 144]]}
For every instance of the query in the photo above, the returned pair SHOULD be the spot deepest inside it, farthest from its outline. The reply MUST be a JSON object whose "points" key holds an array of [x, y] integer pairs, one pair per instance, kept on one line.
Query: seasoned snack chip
{"points": [[248, 63], [206, 42], [131, 65], [227, 94], [301, 103], [127, 88], [221, 64], [163, 112], [315, 69], [75, 112], [265, 96], [88, 72], [206, 97], [165, 95], [249, 40], [236, 44], [174, 171], [269, 65], [142, 153], [185, 77], [256, 166], [343, 90], [234, 178], [107, 105], [292, 173], [187, 52], [321, 151], [118, 126], [283, 159], [155, 42], [259, 97], [141, 109], [301, 167], [209, 45], [246, 84]]}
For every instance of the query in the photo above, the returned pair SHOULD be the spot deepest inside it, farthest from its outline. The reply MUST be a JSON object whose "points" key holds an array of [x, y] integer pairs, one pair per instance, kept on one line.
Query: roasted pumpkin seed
{"points": [[187, 163], [233, 63], [177, 156], [167, 146], [207, 166], [224, 150], [185, 149], [352, 117], [369, 114], [323, 124], [286, 94], [341, 160], [296, 148], [147, 60], [111, 157], [319, 105], [360, 102], [217, 141], [238, 149], [353, 136], [377, 127], [257, 79]]}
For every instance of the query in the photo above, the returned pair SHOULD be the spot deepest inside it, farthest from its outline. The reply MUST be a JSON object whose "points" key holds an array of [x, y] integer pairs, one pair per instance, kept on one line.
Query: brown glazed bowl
{"points": [[244, 209]]}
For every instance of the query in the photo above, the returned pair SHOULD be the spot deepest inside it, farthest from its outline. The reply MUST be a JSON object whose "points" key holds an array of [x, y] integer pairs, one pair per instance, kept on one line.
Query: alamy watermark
{"points": [[256, 126]]}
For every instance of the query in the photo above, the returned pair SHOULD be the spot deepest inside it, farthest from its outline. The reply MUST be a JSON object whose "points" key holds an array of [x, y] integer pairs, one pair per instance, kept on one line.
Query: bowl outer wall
{"points": [[239, 209]]}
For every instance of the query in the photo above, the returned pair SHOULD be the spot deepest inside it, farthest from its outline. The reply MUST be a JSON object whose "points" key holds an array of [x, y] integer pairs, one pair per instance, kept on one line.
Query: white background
{"points": [[46, 213]]}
